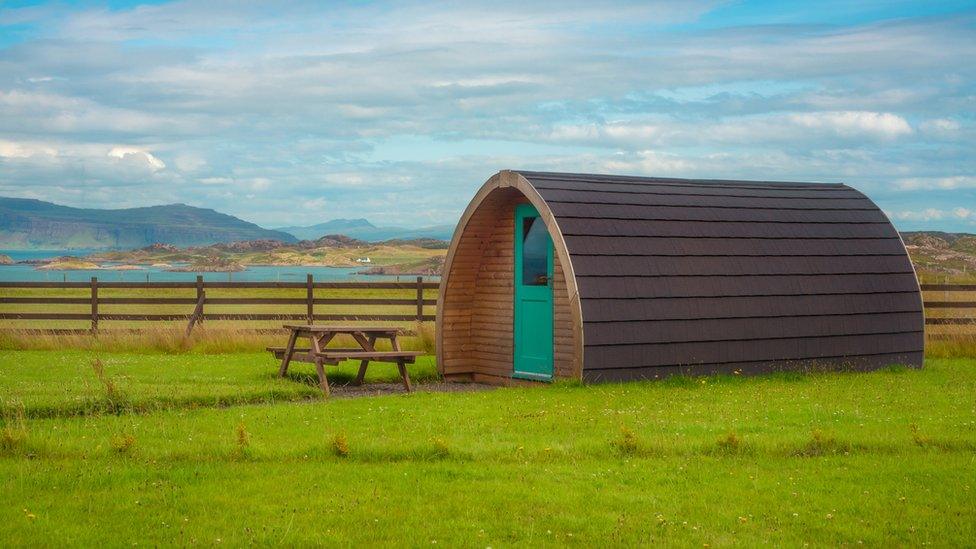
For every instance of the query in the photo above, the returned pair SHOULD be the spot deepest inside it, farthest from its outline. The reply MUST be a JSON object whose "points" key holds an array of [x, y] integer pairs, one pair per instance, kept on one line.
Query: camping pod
{"points": [[600, 277]]}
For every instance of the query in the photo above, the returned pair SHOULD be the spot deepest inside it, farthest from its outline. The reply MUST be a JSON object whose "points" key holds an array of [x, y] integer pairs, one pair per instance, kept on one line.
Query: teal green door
{"points": [[533, 295]]}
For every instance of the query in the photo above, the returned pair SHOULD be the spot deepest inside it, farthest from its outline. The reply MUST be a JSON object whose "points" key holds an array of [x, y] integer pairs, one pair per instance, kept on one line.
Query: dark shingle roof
{"points": [[675, 273]]}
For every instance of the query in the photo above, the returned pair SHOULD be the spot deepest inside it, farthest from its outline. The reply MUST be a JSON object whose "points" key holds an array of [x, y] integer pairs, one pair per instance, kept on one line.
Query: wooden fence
{"points": [[954, 305], [200, 301]]}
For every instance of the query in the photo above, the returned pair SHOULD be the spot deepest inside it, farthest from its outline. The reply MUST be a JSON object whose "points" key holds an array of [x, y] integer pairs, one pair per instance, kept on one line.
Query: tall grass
{"points": [[115, 400], [956, 346], [172, 339], [13, 430], [223, 339]]}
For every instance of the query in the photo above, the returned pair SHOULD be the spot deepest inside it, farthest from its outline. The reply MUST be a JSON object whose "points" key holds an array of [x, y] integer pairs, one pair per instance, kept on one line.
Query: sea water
{"points": [[254, 273]]}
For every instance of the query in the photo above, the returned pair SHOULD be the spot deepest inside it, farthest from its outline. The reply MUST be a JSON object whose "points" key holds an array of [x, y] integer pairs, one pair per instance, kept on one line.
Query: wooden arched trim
{"points": [[452, 290]]}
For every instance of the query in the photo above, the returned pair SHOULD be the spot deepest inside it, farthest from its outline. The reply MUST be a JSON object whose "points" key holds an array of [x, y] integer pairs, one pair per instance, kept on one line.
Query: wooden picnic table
{"points": [[318, 354]]}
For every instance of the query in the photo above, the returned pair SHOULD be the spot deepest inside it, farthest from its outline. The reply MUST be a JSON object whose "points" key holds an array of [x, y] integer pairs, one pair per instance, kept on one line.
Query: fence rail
{"points": [[948, 304], [201, 301]]}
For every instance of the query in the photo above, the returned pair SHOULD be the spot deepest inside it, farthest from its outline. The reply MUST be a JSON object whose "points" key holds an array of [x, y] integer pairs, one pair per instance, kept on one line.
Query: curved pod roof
{"points": [[672, 275]]}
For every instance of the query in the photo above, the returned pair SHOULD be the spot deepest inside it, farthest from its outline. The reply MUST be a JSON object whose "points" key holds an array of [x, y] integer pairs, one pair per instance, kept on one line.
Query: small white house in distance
{"points": [[364, 260]]}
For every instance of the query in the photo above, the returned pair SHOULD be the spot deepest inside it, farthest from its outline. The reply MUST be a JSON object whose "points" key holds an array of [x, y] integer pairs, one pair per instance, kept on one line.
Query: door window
{"points": [[535, 252]]}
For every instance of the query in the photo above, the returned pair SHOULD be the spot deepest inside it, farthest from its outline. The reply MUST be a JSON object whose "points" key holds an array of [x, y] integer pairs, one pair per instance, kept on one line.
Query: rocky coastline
{"points": [[396, 257]]}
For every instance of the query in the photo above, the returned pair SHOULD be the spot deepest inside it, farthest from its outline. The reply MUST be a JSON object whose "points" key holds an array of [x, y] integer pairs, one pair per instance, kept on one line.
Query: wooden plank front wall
{"points": [[478, 305]]}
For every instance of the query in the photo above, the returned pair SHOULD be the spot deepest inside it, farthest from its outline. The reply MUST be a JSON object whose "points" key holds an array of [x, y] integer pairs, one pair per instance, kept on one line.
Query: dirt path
{"points": [[377, 389]]}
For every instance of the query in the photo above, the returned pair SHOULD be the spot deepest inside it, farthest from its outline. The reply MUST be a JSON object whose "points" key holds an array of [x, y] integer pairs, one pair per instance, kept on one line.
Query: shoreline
{"points": [[351, 256], [39, 266]]}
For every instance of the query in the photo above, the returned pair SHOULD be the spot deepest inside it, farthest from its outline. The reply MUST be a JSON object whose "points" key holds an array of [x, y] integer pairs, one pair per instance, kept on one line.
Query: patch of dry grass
{"points": [[172, 339], [957, 346]]}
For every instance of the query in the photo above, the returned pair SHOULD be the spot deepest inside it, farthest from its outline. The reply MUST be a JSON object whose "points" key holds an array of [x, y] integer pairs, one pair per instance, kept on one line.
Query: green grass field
{"points": [[167, 449]]}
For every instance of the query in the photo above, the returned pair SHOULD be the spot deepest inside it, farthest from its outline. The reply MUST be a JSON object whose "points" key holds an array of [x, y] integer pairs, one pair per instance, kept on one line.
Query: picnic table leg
{"points": [[323, 380], [289, 349], [325, 339], [364, 363], [362, 372], [402, 366], [319, 367]]}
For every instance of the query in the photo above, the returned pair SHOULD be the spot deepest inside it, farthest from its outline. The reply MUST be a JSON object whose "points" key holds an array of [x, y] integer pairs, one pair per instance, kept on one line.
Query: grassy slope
{"points": [[886, 457]]}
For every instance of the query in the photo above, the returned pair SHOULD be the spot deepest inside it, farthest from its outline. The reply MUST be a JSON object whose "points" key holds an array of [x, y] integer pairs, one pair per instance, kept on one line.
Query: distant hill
{"points": [[364, 230], [938, 253], [335, 226], [951, 239], [396, 257], [28, 223]]}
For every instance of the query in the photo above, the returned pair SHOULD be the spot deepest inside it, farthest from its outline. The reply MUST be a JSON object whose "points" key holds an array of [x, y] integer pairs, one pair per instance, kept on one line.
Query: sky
{"points": [[294, 113]]}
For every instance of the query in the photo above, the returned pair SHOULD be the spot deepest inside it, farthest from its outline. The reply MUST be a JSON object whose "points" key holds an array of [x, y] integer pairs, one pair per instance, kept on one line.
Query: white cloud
{"points": [[649, 163], [260, 184], [52, 113], [935, 215], [802, 128], [189, 162], [13, 149], [215, 181], [936, 183], [928, 214], [137, 156], [940, 125], [855, 123], [576, 133], [315, 205]]}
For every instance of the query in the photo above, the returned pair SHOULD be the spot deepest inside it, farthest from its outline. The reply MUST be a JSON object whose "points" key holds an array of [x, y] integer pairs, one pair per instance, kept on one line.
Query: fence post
{"points": [[94, 304], [420, 299], [200, 297], [197, 316], [309, 302]]}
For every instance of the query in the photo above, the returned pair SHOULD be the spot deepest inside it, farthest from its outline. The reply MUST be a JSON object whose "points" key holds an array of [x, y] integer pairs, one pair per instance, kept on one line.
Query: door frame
{"points": [[523, 211]]}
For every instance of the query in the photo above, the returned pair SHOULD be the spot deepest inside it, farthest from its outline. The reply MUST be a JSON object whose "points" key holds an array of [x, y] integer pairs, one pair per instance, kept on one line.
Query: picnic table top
{"points": [[341, 329]]}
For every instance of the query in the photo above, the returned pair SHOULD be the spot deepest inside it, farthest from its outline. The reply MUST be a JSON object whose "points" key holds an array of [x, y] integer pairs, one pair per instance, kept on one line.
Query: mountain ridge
{"points": [[27, 223], [364, 230]]}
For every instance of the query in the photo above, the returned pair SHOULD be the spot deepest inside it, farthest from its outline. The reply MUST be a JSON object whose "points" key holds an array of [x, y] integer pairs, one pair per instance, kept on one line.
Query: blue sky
{"points": [[298, 112]]}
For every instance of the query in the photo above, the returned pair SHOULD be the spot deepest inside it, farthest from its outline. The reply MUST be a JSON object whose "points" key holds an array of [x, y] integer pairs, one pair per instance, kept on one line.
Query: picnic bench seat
{"points": [[348, 353], [319, 355], [337, 354], [279, 352]]}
